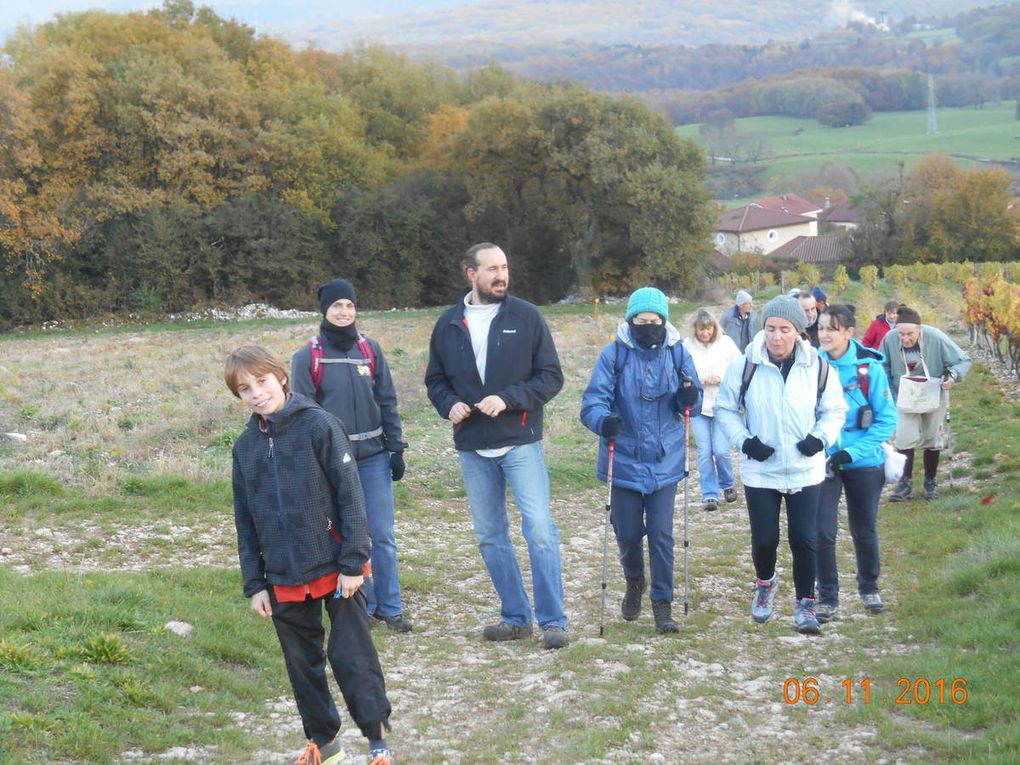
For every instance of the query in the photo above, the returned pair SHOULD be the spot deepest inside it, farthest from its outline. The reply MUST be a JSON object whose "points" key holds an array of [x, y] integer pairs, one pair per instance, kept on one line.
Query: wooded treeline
{"points": [[171, 159]]}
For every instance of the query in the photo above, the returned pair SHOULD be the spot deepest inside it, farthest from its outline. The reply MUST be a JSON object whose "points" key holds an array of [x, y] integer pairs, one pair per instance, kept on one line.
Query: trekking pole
{"points": [[605, 536], [687, 473], [949, 447]]}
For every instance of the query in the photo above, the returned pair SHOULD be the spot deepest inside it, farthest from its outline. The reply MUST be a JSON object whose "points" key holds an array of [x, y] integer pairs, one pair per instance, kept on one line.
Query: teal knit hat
{"points": [[648, 299]]}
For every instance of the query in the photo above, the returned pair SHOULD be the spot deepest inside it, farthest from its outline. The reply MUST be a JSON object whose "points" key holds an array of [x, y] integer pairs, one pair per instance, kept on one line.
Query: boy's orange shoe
{"points": [[330, 754]]}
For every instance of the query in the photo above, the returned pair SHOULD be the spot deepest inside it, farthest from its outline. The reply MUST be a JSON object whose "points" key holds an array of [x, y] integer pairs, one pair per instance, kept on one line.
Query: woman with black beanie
{"points": [[347, 375]]}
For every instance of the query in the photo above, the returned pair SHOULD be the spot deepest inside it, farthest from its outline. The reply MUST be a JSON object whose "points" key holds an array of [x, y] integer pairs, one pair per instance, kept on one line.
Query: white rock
{"points": [[20, 437], [180, 628], [44, 533]]}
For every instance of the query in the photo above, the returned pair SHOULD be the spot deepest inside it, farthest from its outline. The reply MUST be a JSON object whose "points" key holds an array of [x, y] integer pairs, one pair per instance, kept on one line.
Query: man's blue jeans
{"points": [[382, 589], [715, 465], [486, 479]]}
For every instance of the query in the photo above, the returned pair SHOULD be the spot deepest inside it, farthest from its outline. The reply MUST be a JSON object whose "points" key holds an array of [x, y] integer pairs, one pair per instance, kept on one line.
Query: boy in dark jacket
{"points": [[302, 539]]}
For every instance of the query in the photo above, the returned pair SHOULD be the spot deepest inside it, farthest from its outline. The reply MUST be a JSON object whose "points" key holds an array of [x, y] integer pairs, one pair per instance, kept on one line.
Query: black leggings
{"points": [[931, 463], [801, 514]]}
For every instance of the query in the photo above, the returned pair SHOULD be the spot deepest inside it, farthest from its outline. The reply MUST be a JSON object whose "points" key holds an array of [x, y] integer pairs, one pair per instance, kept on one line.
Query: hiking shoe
{"points": [[764, 602], [397, 622], [501, 631], [554, 637], [904, 490], [379, 757], [327, 754], [730, 495], [931, 489], [630, 608], [711, 505], [873, 602], [804, 618], [663, 612], [826, 612]]}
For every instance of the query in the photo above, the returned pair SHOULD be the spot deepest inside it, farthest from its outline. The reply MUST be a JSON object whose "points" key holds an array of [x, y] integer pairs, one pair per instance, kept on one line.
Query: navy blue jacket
{"points": [[639, 386], [292, 481], [522, 368]]}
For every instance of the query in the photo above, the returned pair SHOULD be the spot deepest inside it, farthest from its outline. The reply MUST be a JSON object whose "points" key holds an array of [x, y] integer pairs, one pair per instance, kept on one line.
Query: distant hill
{"points": [[475, 28]]}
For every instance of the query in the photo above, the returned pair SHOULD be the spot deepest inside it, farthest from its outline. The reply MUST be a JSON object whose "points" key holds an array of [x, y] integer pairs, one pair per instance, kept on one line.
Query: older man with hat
{"points": [[740, 322], [919, 353]]}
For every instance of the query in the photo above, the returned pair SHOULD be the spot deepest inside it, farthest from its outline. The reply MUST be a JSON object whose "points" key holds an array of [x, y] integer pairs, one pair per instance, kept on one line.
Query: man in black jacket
{"points": [[492, 367]]}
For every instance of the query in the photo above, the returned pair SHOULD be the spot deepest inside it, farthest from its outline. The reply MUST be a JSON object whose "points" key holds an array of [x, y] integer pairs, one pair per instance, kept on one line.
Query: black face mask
{"points": [[648, 335]]}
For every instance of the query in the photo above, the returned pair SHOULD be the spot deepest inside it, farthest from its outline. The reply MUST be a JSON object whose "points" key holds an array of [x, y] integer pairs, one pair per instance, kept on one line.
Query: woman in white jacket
{"points": [[790, 411], [713, 351]]}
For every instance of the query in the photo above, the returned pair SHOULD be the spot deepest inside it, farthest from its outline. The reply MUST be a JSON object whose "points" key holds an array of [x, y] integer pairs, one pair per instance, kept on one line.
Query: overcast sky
{"points": [[274, 17]]}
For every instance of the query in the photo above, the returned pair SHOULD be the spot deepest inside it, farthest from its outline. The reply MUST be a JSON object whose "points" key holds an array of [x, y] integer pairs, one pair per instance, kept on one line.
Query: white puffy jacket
{"points": [[712, 360], [781, 413]]}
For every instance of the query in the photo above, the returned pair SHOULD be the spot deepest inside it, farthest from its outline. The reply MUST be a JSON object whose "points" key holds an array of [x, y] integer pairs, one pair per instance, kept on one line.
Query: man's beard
{"points": [[488, 297]]}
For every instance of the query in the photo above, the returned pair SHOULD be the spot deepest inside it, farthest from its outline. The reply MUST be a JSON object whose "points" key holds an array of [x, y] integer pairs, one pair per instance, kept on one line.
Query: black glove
{"points": [[610, 427], [810, 446], [756, 450], [688, 394], [397, 465], [832, 464]]}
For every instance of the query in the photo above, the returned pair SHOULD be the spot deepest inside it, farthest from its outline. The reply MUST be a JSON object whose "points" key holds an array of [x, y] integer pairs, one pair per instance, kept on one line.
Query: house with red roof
{"points": [[759, 229], [793, 204]]}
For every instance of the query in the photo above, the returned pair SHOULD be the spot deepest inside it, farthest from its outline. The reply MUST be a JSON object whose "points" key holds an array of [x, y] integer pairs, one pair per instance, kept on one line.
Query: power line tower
{"points": [[933, 127]]}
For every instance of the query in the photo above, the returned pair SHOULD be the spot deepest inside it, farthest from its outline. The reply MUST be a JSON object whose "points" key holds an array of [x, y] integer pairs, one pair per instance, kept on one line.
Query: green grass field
{"points": [[802, 145]]}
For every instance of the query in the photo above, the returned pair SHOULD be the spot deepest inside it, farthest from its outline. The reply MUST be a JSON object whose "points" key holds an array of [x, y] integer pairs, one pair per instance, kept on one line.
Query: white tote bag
{"points": [[894, 464], [919, 395]]}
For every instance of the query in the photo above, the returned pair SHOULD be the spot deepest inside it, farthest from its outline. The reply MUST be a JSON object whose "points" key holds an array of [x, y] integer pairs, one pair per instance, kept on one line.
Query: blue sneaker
{"points": [[804, 618], [764, 603], [380, 757]]}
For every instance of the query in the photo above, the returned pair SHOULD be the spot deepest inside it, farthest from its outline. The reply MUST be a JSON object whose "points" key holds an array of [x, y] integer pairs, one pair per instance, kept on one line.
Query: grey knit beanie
{"points": [[785, 307]]}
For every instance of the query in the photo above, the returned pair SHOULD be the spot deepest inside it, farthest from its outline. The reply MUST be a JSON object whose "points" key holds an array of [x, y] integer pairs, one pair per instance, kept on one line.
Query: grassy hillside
{"points": [[115, 517], [801, 146]]}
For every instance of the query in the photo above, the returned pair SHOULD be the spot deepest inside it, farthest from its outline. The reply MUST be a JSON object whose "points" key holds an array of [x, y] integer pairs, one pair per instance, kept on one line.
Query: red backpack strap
{"points": [[366, 350], [862, 379], [314, 367]]}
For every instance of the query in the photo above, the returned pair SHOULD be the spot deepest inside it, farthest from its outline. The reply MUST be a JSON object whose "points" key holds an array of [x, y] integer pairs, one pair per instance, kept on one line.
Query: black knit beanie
{"points": [[338, 289]]}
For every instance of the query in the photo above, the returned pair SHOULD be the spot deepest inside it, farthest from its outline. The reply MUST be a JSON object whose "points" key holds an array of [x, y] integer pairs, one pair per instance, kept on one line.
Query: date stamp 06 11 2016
{"points": [[911, 690]]}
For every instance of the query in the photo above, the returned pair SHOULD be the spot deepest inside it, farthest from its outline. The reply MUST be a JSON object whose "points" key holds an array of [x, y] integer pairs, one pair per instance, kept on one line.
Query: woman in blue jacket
{"points": [[639, 388], [855, 461]]}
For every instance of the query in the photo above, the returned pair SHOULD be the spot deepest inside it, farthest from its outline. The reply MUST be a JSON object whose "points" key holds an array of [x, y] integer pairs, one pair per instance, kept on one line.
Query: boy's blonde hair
{"points": [[257, 361]]}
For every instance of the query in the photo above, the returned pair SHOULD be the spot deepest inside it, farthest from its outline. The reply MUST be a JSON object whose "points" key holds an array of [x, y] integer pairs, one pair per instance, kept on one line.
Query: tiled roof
{"points": [[790, 203], [838, 213], [754, 217], [813, 249]]}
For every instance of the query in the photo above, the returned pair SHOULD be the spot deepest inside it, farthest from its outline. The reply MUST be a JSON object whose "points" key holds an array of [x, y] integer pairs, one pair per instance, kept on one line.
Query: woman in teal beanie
{"points": [[641, 385]]}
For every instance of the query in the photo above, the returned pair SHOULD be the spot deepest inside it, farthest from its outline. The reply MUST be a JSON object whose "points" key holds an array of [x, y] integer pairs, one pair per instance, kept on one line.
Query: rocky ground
{"points": [[716, 689]]}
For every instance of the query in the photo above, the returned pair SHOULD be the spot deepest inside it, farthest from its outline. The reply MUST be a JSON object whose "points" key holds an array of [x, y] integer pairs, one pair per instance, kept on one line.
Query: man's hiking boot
{"points": [[554, 637], [764, 602], [630, 608], [380, 757], [663, 612], [804, 618], [730, 495], [327, 754], [396, 623], [931, 489], [872, 602], [826, 612], [904, 490], [711, 505], [501, 631]]}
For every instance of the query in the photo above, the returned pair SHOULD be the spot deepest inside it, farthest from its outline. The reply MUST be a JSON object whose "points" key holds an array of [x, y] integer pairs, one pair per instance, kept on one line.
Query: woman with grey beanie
{"points": [[779, 406]]}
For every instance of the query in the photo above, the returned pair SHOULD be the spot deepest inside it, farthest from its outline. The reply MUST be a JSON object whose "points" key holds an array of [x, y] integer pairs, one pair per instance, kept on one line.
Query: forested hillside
{"points": [[171, 159]]}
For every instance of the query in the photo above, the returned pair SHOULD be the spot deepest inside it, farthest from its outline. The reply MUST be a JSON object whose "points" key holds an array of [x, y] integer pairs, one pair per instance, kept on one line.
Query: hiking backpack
{"points": [[750, 368], [317, 353]]}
